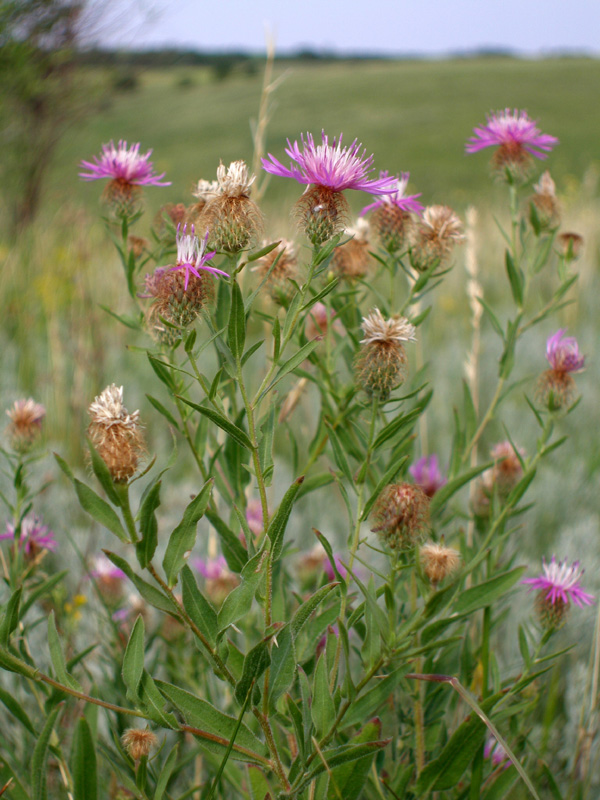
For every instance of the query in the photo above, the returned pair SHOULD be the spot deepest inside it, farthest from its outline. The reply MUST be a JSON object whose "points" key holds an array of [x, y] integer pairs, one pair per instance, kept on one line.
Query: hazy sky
{"points": [[386, 26]]}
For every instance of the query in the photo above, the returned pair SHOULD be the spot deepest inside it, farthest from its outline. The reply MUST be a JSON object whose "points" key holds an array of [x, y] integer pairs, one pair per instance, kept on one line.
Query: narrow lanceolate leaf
{"points": [[57, 656], [283, 665], [10, 616], [40, 757], [255, 663], [488, 592], [222, 422], [292, 363], [388, 477], [12, 663], [348, 780], [150, 593], [446, 492], [83, 763], [183, 537], [234, 552], [323, 707], [304, 612], [16, 710], [146, 547], [103, 475], [198, 607], [133, 660], [515, 277], [99, 509], [164, 411], [237, 322], [279, 522], [343, 755], [371, 701], [154, 703], [238, 602], [165, 773]]}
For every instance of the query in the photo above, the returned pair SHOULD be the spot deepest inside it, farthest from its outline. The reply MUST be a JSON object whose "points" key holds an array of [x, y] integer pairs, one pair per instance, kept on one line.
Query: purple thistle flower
{"points": [[496, 753], [192, 255], [123, 163], [328, 569], [563, 353], [212, 569], [561, 584], [398, 197], [514, 129], [330, 165], [105, 570], [35, 536], [426, 473]]}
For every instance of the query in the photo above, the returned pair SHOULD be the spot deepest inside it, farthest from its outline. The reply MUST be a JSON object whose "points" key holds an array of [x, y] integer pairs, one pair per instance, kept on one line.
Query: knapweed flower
{"points": [[570, 245], [26, 417], [219, 580], [381, 363], [329, 169], [319, 320], [280, 268], [192, 256], [426, 473], [494, 751], [138, 742], [352, 259], [500, 479], [116, 434], [434, 236], [127, 170], [558, 586], [391, 218], [545, 213], [517, 138], [34, 536], [109, 579], [233, 219], [401, 516], [556, 388], [438, 561]]}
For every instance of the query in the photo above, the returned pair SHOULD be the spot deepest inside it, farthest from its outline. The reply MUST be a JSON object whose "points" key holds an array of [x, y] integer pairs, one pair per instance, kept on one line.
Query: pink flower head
{"points": [[514, 129], [496, 753], [426, 473], [330, 165], [104, 570], [561, 583], [328, 569], [563, 353], [398, 197], [123, 163], [192, 255], [212, 569], [35, 536]]}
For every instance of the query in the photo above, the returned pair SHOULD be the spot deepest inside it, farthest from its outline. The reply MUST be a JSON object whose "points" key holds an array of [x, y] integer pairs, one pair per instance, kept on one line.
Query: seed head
{"points": [[352, 259], [25, 427], [439, 561], [116, 434], [318, 321], [507, 470], [381, 363], [281, 267], [570, 245], [138, 742], [401, 516], [546, 204], [234, 220], [434, 237]]}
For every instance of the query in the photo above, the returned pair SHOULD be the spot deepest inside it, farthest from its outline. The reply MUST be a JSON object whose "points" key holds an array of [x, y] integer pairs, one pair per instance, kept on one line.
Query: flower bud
{"points": [[555, 389], [381, 363], [25, 427], [281, 268], [138, 742], [439, 561], [508, 470], [351, 260], [116, 434], [434, 236], [321, 212], [545, 203], [570, 245], [401, 516]]}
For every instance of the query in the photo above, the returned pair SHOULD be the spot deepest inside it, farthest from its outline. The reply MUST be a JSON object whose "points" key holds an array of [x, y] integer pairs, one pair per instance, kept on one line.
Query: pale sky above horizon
{"points": [[391, 27]]}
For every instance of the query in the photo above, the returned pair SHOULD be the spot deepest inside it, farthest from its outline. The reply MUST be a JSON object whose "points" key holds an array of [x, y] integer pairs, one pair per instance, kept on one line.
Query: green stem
{"points": [[122, 490]]}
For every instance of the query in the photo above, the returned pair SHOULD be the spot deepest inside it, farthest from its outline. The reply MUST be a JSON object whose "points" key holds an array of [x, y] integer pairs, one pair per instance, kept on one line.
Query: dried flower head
{"points": [[381, 363], [426, 473], [352, 259], [33, 536], [233, 219], [329, 169], [570, 245], [137, 245], [319, 320], [206, 190], [138, 742], [545, 203], [219, 580], [508, 469], [558, 586], [116, 434], [556, 388], [434, 236], [438, 561], [401, 516], [280, 267], [25, 427], [127, 170], [168, 219], [517, 139], [109, 579]]}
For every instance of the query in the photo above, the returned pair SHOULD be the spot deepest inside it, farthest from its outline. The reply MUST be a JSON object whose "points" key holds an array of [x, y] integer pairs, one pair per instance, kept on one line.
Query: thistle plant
{"points": [[318, 624]]}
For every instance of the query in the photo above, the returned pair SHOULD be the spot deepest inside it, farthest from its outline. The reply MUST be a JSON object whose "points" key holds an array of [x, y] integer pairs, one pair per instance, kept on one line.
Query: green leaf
{"points": [[515, 277], [265, 445], [201, 714], [338, 453], [164, 411], [161, 372], [57, 656], [283, 664], [99, 510], [10, 616], [367, 705], [12, 663], [305, 611], [16, 710], [255, 663], [500, 788], [446, 492], [492, 317], [150, 593], [259, 786], [486, 593], [40, 757], [198, 607], [315, 482], [133, 660], [344, 755], [389, 435], [348, 780], [291, 364], [251, 350], [154, 703], [264, 251], [280, 519], [83, 763], [165, 773], [237, 322], [234, 552], [183, 538], [323, 707], [103, 475], [41, 589], [146, 547], [238, 602], [222, 422]]}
